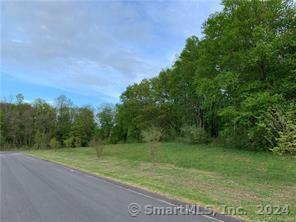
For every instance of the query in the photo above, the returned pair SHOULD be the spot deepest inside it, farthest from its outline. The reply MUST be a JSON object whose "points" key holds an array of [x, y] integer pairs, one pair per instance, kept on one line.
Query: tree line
{"points": [[40, 125], [235, 85]]}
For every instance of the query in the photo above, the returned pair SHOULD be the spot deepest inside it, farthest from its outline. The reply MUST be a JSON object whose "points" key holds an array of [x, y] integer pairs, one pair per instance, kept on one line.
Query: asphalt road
{"points": [[37, 190]]}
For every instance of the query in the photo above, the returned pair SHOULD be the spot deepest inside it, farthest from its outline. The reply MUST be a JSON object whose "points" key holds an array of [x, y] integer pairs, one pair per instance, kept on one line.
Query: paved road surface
{"points": [[36, 190]]}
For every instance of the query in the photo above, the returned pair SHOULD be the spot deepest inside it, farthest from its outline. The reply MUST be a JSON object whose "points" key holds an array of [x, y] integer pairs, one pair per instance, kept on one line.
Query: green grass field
{"points": [[202, 174]]}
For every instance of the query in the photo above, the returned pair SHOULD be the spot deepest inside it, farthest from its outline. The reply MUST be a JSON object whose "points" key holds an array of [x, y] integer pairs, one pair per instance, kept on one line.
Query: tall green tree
{"points": [[83, 126], [106, 118], [65, 118]]}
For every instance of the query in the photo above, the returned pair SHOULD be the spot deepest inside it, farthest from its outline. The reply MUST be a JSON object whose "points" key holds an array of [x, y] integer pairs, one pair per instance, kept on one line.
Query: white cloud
{"points": [[96, 46]]}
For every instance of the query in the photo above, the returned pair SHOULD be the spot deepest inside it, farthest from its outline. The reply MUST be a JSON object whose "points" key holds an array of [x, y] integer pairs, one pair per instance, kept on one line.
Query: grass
{"points": [[202, 174]]}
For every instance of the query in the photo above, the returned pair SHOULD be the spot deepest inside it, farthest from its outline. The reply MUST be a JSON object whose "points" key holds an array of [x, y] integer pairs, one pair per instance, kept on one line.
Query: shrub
{"points": [[41, 141], [77, 142], [69, 142], [266, 131], [152, 136], [275, 131], [98, 145], [286, 143], [194, 135], [169, 134], [54, 144]]}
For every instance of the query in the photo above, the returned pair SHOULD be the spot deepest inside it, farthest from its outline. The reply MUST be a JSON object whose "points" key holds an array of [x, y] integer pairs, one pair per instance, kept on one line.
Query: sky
{"points": [[90, 51]]}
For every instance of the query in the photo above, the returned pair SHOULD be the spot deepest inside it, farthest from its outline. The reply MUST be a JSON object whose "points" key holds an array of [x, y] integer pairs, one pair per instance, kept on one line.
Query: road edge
{"points": [[214, 214]]}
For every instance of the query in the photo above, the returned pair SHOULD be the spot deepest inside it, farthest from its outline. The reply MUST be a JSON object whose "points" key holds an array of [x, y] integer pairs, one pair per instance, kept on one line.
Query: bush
{"points": [[69, 142], [98, 145], [264, 135], [169, 134], [54, 144], [6, 146], [274, 130], [195, 135], [152, 136], [41, 142], [286, 143], [77, 142]]}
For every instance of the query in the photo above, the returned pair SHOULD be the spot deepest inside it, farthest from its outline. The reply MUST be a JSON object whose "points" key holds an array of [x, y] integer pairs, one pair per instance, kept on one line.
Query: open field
{"points": [[202, 174]]}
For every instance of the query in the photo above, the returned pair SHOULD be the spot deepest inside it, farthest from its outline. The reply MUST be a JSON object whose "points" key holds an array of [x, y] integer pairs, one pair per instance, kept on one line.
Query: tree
{"points": [[106, 119], [226, 82], [65, 115], [83, 126], [237, 83], [44, 121]]}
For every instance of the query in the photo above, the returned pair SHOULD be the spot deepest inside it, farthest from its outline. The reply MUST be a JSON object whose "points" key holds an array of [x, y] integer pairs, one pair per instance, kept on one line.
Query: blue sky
{"points": [[91, 51]]}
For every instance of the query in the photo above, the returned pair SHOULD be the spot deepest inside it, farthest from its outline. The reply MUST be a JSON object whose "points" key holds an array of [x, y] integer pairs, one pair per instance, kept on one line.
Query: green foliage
{"points": [[195, 135], [77, 142], [27, 125], [224, 87], [286, 141], [83, 126], [266, 131], [73, 141], [98, 145], [152, 137], [40, 141], [54, 143], [153, 134], [106, 120], [65, 115], [227, 89], [229, 85], [69, 142]]}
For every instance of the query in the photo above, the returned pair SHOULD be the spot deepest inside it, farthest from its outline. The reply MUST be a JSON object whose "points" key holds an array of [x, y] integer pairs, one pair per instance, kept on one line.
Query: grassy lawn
{"points": [[202, 174]]}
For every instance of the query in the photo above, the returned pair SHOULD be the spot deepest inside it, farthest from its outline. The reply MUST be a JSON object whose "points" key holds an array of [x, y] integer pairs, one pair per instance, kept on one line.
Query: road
{"points": [[37, 190]]}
